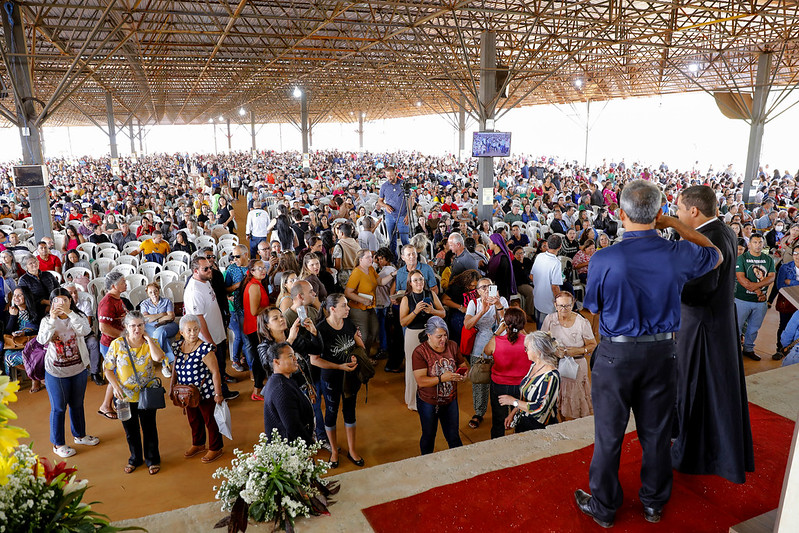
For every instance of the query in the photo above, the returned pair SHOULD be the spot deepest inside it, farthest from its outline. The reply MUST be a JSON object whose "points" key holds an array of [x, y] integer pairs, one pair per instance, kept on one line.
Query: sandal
{"points": [[110, 415], [129, 468], [154, 469], [34, 390], [474, 423]]}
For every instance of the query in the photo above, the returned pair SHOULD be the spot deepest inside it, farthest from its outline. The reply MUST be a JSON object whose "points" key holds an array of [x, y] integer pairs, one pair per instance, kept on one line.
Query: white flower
{"points": [[74, 485]]}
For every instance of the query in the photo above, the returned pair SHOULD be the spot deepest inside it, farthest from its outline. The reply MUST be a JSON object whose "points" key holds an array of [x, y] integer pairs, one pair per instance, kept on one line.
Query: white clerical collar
{"points": [[706, 223]]}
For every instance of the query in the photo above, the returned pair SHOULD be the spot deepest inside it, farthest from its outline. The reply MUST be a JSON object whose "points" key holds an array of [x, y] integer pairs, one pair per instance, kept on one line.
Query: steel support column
{"points": [[758, 124], [132, 139], [30, 134], [229, 139], [112, 132], [487, 104], [141, 146], [587, 129], [252, 132], [462, 130], [360, 132], [306, 161]]}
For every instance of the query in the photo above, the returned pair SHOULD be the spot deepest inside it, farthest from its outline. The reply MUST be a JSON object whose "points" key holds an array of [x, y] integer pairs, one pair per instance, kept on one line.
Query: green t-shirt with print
{"points": [[755, 268]]}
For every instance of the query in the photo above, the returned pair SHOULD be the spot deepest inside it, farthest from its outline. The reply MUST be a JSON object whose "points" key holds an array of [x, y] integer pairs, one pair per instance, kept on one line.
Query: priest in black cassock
{"points": [[713, 435]]}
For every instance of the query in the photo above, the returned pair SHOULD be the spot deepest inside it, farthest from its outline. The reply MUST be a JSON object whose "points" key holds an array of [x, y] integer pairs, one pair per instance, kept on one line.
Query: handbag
{"points": [[150, 396], [11, 342], [783, 305], [568, 367], [183, 396], [480, 371], [468, 335]]}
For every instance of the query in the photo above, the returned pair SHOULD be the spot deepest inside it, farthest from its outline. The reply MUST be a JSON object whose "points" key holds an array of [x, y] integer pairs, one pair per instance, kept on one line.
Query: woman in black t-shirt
{"points": [[340, 337]]}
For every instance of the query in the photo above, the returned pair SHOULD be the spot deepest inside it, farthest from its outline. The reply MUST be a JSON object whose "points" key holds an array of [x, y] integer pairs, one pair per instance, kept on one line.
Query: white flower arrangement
{"points": [[277, 482]]}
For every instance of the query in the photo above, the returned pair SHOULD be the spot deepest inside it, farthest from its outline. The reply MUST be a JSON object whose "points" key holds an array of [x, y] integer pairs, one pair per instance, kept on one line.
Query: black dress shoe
{"points": [[583, 499], [98, 379], [359, 462], [393, 370], [751, 355], [652, 515]]}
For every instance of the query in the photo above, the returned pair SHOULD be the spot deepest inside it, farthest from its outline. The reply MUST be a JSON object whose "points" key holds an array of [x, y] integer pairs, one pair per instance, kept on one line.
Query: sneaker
{"points": [[237, 367], [87, 440], [326, 446], [751, 355], [165, 371], [64, 451], [231, 395], [230, 379]]}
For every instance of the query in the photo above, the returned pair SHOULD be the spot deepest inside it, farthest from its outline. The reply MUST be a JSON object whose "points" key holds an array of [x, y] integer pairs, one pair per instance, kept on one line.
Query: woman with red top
{"points": [[510, 366], [145, 228], [254, 301]]}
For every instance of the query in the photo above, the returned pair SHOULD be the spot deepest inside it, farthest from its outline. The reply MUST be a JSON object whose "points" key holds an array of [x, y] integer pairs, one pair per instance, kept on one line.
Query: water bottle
{"points": [[123, 410]]}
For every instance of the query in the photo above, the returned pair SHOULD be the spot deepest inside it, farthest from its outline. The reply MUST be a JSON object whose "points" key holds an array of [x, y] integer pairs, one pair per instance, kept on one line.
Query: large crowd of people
{"points": [[372, 257]]}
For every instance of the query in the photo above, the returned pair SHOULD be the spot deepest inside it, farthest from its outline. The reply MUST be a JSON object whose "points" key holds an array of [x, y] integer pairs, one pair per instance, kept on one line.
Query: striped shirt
{"points": [[541, 393]]}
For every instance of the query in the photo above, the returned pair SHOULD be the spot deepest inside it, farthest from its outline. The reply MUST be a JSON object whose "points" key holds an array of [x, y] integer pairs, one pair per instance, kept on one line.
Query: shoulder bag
{"points": [[480, 371], [152, 394], [183, 396], [468, 335]]}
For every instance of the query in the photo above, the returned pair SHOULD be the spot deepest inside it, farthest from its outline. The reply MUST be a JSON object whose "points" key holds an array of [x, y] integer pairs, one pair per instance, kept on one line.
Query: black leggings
{"points": [[258, 372]]}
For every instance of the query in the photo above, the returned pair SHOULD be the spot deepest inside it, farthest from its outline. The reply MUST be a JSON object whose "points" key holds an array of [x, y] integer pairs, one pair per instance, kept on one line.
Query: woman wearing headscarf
{"points": [[499, 267]]}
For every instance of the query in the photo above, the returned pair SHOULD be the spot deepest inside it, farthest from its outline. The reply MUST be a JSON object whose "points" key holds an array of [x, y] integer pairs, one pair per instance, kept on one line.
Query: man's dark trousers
{"points": [[640, 376]]}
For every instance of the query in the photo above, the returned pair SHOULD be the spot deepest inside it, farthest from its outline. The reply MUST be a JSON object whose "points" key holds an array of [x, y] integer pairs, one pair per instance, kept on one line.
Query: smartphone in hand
{"points": [[462, 371], [492, 291]]}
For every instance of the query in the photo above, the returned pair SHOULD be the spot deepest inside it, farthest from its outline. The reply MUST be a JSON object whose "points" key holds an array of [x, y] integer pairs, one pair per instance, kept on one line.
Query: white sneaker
{"points": [[165, 371], [87, 440], [64, 451]]}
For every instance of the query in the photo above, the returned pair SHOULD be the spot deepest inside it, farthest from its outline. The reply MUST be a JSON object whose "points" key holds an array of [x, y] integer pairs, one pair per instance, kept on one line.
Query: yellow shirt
{"points": [[364, 284], [150, 247], [117, 360]]}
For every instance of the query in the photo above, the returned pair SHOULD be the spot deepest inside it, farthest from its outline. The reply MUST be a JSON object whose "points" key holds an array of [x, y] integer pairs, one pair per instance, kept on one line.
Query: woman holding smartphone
{"points": [[484, 313], [438, 366], [416, 307]]}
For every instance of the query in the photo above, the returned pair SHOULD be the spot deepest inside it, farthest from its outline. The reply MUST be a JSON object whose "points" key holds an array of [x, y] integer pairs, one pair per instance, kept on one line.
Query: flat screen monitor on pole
{"points": [[30, 176], [491, 144]]}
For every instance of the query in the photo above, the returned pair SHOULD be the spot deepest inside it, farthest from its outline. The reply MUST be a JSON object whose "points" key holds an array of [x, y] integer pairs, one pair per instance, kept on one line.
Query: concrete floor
{"points": [[387, 433]]}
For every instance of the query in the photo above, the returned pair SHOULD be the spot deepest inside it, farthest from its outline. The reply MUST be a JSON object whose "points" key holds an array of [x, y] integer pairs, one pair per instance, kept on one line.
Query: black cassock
{"points": [[713, 431]]}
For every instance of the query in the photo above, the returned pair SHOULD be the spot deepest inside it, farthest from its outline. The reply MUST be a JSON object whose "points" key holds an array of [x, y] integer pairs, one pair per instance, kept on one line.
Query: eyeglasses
{"points": [[210, 257], [235, 256], [204, 269], [564, 306], [258, 268], [483, 287]]}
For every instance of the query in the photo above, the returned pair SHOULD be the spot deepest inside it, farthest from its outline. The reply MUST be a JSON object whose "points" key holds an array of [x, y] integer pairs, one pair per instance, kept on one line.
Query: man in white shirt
{"points": [[257, 226], [199, 299], [547, 275]]}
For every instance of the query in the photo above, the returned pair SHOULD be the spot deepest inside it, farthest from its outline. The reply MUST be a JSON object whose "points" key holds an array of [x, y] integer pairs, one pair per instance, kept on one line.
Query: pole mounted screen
{"points": [[31, 176]]}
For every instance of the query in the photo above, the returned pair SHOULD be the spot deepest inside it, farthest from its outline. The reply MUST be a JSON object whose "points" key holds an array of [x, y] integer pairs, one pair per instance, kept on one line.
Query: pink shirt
{"points": [[510, 361]]}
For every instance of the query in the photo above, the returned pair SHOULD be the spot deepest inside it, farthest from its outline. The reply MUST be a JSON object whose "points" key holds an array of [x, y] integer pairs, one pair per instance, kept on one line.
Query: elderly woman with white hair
{"points": [[537, 405], [438, 366], [195, 364]]}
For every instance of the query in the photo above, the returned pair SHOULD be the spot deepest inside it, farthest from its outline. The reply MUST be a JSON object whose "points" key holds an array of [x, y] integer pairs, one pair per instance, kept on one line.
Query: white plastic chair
{"points": [[165, 277], [150, 269], [137, 294], [136, 280], [128, 260], [89, 248], [178, 267], [57, 276], [106, 246], [229, 237], [179, 256], [131, 246], [103, 266], [75, 272], [97, 288], [126, 270], [205, 240], [174, 291], [110, 253]]}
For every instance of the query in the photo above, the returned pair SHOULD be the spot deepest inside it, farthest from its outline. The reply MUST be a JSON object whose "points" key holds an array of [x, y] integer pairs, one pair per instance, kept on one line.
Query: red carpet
{"points": [[539, 496]]}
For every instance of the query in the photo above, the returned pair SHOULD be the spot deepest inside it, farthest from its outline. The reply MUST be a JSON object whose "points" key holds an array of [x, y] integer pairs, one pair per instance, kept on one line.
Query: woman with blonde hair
{"points": [[536, 406]]}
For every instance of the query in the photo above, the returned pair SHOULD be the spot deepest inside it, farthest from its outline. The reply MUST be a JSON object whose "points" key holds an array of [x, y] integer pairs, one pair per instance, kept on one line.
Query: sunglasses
{"points": [[235, 256]]}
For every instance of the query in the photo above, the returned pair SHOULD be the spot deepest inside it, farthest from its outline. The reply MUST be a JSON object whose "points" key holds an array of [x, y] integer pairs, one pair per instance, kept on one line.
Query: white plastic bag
{"points": [[567, 367], [222, 417]]}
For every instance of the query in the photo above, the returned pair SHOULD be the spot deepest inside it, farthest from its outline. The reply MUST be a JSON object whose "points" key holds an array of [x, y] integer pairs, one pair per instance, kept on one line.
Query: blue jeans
{"points": [[254, 241], [240, 340], [430, 415], [65, 392], [382, 333], [751, 314], [163, 335], [103, 350], [392, 223]]}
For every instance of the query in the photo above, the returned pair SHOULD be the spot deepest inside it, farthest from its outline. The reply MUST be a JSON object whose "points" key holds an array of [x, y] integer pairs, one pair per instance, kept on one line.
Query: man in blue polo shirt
{"points": [[636, 285], [392, 199]]}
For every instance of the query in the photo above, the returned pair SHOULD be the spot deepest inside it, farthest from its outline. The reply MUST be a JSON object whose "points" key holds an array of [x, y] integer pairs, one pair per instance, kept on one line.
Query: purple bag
{"points": [[33, 359]]}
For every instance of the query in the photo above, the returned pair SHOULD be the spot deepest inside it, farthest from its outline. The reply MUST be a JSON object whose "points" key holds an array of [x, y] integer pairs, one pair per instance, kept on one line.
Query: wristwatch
{"points": [[515, 403]]}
